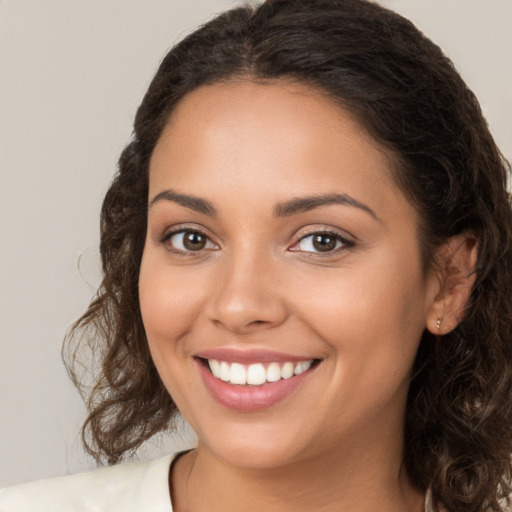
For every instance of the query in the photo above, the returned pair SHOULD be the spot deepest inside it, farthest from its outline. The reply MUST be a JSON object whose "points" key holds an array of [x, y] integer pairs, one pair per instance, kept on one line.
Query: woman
{"points": [[307, 247]]}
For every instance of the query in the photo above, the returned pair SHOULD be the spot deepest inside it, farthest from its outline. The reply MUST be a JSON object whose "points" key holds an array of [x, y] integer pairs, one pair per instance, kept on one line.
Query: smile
{"points": [[258, 373], [251, 381]]}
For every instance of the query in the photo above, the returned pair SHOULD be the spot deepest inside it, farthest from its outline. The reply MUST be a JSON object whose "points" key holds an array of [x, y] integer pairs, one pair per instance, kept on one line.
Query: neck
{"points": [[366, 480]]}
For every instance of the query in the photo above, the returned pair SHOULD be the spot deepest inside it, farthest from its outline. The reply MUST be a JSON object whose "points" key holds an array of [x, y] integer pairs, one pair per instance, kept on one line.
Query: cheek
{"points": [[372, 324], [170, 299], [380, 299], [372, 318]]}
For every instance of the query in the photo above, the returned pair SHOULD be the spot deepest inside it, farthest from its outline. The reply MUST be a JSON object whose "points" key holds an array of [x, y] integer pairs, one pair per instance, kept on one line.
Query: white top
{"points": [[142, 487]]}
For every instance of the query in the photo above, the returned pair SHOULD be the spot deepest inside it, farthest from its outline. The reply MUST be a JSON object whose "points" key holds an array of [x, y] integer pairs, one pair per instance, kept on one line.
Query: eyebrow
{"points": [[305, 204], [283, 209], [192, 202]]}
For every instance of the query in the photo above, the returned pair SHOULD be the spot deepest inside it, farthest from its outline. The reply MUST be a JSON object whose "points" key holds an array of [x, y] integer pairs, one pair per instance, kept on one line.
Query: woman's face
{"points": [[279, 250]]}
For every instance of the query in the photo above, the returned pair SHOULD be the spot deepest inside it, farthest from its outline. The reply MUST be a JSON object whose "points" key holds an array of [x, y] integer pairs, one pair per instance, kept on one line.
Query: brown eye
{"points": [[324, 242], [194, 241], [188, 241]]}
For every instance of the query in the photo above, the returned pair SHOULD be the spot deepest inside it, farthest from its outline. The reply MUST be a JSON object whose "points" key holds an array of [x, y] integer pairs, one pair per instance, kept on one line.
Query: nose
{"points": [[247, 296]]}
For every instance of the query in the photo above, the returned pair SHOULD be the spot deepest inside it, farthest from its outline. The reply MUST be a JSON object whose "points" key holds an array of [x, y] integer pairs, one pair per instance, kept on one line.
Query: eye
{"points": [[321, 242], [188, 240]]}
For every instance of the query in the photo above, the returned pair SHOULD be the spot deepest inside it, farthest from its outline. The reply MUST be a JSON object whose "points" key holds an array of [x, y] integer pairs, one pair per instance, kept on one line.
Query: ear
{"points": [[456, 263]]}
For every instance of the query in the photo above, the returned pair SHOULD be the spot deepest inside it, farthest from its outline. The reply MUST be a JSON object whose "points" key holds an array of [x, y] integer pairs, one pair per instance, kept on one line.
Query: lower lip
{"points": [[250, 398]]}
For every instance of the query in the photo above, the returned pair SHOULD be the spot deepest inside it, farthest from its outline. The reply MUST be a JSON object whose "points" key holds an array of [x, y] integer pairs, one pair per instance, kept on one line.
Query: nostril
{"points": [[243, 311]]}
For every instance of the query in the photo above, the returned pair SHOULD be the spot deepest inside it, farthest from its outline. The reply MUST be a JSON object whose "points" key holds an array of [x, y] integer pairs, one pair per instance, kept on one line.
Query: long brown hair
{"points": [[408, 96]]}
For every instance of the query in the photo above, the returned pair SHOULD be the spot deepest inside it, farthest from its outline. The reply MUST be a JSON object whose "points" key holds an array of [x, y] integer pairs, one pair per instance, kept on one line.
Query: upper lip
{"points": [[250, 356]]}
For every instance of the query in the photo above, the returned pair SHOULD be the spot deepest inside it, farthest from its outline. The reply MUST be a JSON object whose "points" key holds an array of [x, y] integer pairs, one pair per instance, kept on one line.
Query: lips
{"points": [[252, 380]]}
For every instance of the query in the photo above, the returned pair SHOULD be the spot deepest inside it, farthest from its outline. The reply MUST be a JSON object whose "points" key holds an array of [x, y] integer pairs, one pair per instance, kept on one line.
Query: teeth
{"points": [[273, 372], [301, 367], [287, 370], [225, 373], [215, 367], [256, 374], [238, 375]]}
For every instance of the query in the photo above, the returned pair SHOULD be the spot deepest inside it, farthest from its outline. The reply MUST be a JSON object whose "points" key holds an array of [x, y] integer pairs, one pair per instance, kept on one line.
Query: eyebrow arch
{"points": [[194, 203], [304, 204]]}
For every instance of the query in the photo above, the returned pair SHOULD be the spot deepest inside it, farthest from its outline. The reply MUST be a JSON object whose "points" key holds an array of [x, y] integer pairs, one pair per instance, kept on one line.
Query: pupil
{"points": [[194, 241], [324, 243]]}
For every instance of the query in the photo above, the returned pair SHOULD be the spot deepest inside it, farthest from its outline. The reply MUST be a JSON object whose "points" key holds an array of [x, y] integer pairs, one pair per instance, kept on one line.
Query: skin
{"points": [[336, 442]]}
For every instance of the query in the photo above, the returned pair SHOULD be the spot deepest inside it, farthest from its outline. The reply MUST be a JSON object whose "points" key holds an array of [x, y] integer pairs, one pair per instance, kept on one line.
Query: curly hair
{"points": [[406, 93]]}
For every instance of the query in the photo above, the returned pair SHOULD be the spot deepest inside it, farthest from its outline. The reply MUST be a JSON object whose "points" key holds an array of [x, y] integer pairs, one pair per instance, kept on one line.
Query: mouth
{"points": [[256, 374], [251, 386]]}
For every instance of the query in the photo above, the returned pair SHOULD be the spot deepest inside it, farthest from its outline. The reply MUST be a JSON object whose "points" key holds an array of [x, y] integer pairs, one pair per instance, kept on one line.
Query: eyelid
{"points": [[174, 230], [171, 229], [346, 241]]}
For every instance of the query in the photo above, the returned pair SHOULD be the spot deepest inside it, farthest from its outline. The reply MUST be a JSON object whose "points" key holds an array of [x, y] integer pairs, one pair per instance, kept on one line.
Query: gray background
{"points": [[72, 73]]}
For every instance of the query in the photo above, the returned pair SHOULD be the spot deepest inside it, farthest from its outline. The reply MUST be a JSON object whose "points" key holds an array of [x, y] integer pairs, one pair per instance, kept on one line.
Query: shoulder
{"points": [[126, 487]]}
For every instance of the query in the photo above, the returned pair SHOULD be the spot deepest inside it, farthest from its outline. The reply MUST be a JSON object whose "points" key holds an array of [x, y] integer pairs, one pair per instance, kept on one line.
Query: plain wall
{"points": [[71, 76]]}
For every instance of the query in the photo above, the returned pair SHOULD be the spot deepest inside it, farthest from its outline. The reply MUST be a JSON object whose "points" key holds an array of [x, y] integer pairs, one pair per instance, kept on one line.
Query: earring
{"points": [[439, 322]]}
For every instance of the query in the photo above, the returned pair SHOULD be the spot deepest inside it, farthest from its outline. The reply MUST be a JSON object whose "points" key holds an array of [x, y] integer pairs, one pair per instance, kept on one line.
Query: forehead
{"points": [[279, 138]]}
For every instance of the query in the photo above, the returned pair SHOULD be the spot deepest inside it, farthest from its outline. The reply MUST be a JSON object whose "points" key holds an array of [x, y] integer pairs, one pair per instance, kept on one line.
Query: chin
{"points": [[254, 448]]}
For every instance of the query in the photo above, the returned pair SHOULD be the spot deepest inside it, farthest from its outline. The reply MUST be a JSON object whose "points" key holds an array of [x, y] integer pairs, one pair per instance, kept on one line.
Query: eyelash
{"points": [[166, 240], [343, 242]]}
